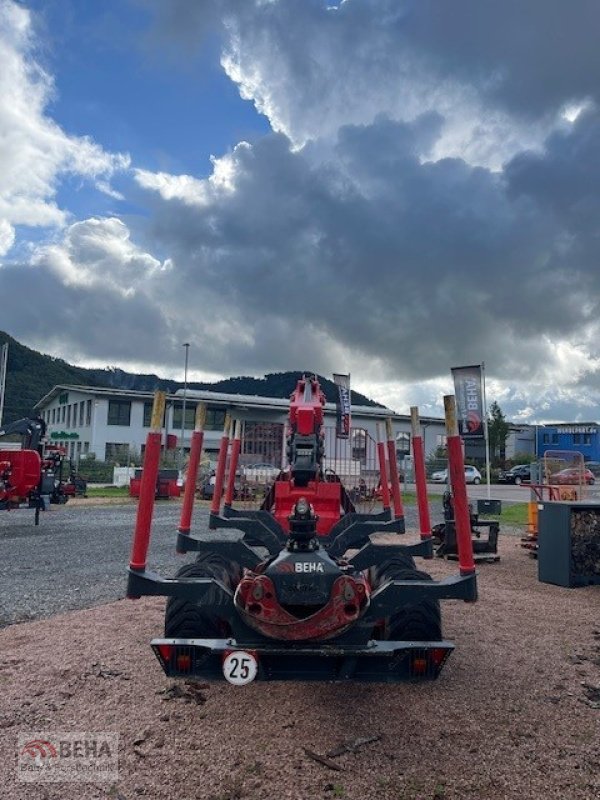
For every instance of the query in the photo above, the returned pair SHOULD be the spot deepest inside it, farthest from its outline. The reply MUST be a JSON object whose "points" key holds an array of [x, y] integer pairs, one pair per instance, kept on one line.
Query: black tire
{"points": [[518, 481], [186, 620], [420, 622]]}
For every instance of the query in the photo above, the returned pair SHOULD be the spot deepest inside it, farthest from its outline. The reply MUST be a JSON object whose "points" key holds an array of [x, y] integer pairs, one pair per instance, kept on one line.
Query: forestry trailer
{"points": [[301, 588], [32, 472]]}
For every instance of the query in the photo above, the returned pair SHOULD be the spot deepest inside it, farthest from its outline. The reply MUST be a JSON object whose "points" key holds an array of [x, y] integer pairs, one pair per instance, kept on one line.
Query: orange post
{"points": [[383, 478], [235, 454], [418, 449], [456, 465], [145, 510], [221, 467], [393, 465], [185, 522]]}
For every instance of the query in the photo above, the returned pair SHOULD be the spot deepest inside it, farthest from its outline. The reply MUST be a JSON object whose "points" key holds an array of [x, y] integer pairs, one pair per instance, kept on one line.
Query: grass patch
{"points": [[108, 491], [512, 514]]}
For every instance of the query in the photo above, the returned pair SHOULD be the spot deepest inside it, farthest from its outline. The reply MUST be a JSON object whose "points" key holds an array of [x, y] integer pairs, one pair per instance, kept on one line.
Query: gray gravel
{"points": [[77, 556]]}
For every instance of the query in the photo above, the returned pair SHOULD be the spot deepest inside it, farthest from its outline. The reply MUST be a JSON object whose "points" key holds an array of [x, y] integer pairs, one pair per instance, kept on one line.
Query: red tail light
{"points": [[166, 651]]}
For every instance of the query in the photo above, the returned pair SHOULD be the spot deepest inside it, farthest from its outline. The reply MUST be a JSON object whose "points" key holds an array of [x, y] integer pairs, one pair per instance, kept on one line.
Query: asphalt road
{"points": [[78, 555]]}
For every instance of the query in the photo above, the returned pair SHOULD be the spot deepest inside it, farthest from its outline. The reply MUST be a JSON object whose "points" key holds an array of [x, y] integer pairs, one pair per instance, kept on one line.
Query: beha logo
{"points": [[38, 749], [286, 567]]}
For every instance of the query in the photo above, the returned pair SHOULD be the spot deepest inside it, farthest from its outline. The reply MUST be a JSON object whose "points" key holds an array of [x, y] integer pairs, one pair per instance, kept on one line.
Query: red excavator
{"points": [[33, 473], [304, 587]]}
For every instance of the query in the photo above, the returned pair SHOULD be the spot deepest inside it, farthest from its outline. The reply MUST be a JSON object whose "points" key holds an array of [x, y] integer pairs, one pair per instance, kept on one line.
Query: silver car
{"points": [[472, 475]]}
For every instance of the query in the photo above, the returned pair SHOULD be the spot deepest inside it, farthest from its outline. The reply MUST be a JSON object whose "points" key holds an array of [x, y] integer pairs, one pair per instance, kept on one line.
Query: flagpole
{"points": [[486, 432]]}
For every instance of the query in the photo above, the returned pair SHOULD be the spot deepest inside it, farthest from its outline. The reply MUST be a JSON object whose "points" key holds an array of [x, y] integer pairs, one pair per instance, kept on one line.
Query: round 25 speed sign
{"points": [[240, 667]]}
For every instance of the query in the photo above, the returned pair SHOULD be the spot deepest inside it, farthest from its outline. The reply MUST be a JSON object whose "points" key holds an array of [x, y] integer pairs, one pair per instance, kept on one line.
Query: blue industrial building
{"points": [[582, 437]]}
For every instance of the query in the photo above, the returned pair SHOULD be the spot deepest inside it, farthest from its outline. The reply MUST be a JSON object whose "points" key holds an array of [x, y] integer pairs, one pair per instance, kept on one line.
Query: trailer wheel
{"points": [[186, 620], [420, 622]]}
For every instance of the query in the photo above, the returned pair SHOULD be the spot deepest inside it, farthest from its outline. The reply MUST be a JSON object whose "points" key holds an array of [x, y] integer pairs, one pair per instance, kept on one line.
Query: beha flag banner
{"points": [[342, 428], [469, 401]]}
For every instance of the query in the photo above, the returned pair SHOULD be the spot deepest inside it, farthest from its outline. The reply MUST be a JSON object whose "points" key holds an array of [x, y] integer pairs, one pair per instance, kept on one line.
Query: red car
{"points": [[573, 475]]}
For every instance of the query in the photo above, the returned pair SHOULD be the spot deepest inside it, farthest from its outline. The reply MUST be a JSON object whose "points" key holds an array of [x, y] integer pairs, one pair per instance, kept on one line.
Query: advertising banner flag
{"points": [[342, 430], [468, 389]]}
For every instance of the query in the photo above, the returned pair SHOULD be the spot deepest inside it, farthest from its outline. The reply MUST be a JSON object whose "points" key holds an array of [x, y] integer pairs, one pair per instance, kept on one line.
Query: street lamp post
{"points": [[185, 377]]}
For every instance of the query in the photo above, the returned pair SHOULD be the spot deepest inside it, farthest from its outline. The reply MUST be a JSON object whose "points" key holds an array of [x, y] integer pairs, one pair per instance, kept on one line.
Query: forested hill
{"points": [[31, 375]]}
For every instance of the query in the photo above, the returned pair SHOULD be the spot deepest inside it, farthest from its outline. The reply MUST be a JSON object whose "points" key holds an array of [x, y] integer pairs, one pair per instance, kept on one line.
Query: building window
{"points": [[148, 414], [117, 452], [86, 447], [359, 444], [63, 413], [546, 438], [403, 444], [88, 413], [587, 438], [555, 438], [215, 419], [440, 440], [68, 416], [190, 413], [81, 413], [119, 412]]}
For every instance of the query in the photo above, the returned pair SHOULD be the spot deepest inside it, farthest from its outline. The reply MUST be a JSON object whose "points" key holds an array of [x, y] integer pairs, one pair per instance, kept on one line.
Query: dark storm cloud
{"points": [[81, 321], [304, 62], [421, 264]]}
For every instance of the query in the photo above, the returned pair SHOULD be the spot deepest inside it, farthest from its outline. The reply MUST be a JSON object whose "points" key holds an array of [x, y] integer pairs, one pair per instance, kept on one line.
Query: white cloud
{"points": [[7, 236], [98, 252], [35, 151]]}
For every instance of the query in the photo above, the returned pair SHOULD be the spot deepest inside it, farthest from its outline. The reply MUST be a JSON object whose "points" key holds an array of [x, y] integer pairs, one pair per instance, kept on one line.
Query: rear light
{"points": [[438, 655], [428, 662], [419, 666], [165, 652], [183, 662]]}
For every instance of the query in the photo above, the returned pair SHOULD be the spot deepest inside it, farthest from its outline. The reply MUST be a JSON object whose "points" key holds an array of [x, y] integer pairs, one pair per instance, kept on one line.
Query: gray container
{"points": [[569, 544]]}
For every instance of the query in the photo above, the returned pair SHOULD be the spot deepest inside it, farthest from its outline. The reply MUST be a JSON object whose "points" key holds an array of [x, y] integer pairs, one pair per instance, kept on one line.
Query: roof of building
{"points": [[222, 398]]}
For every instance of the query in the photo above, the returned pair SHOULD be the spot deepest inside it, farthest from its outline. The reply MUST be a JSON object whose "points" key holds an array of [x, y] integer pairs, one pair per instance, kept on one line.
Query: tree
{"points": [[498, 429]]}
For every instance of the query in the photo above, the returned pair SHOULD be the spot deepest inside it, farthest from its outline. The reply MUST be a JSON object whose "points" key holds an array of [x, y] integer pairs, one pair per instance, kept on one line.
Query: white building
{"points": [[113, 423]]}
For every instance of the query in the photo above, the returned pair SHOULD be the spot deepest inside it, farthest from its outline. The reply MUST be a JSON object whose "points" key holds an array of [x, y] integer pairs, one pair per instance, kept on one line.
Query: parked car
{"points": [[573, 475], [594, 467], [472, 475], [518, 474], [441, 476], [260, 473]]}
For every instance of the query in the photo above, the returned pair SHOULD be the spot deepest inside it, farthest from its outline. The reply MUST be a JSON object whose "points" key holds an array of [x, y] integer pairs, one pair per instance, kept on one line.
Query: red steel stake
{"points": [[145, 509], [221, 467], [456, 464], [383, 478], [393, 465], [235, 453], [185, 522], [418, 449]]}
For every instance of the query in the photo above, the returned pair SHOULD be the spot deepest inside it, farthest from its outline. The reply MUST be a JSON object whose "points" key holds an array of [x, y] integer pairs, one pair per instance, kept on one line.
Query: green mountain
{"points": [[31, 375]]}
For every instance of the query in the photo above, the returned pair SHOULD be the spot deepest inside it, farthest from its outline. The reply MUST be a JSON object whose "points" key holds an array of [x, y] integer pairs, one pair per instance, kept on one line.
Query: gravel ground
{"points": [[515, 714]]}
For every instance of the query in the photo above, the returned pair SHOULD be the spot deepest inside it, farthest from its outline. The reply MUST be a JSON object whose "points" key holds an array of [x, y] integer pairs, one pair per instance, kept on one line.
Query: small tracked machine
{"points": [[305, 587]]}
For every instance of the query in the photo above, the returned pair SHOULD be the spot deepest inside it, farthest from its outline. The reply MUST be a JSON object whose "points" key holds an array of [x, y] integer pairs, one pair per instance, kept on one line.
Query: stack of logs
{"points": [[585, 543]]}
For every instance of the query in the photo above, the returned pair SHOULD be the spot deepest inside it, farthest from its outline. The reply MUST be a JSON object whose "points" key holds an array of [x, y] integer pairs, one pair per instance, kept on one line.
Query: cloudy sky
{"points": [[385, 187]]}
